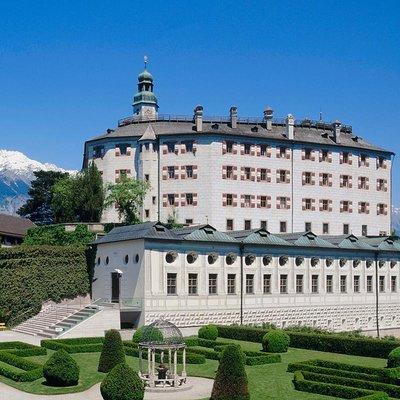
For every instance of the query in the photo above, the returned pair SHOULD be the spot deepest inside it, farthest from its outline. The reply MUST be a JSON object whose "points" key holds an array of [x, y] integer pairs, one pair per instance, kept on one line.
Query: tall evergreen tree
{"points": [[38, 207]]}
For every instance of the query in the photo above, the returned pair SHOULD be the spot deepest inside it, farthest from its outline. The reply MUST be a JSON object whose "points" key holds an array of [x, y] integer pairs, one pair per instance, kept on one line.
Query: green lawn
{"points": [[269, 381]]}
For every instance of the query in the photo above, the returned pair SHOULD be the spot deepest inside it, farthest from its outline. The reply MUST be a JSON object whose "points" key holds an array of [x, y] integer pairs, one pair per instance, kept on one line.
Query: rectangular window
{"points": [[283, 284], [364, 230], [189, 171], [380, 184], [247, 200], [324, 155], [171, 172], [247, 173], [147, 213], [362, 182], [314, 283], [263, 150], [229, 172], [345, 157], [229, 147], [189, 147], [362, 207], [229, 199], [264, 224], [370, 288], [356, 283], [189, 221], [98, 151], [189, 199], [123, 148], [146, 177], [307, 226], [343, 284], [229, 224], [247, 224], [363, 160], [345, 181], [249, 284], [247, 148], [212, 284], [381, 162], [263, 201], [324, 205], [267, 283], [381, 209], [324, 179], [282, 175], [393, 284], [307, 154], [299, 283], [231, 289], [282, 202], [307, 178], [282, 152], [283, 227], [153, 200], [263, 174], [171, 147], [325, 228], [345, 206], [192, 280], [381, 284], [307, 204], [171, 199], [329, 284], [346, 229], [171, 283]]}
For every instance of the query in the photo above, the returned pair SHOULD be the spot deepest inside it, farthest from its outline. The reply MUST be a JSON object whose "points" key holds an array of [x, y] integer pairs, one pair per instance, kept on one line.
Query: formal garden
{"points": [[246, 363]]}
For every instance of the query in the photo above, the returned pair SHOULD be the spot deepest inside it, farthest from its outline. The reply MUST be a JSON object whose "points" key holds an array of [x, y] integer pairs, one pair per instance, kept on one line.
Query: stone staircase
{"points": [[57, 319]]}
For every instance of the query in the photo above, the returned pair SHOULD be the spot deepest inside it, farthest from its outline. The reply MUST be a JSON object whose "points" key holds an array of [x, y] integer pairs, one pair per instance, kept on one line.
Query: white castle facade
{"points": [[198, 275], [233, 173]]}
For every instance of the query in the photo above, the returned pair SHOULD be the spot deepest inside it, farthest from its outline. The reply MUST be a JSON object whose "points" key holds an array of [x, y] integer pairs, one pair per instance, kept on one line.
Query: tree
{"points": [[38, 207], [79, 198], [61, 370], [128, 195], [231, 379], [113, 351]]}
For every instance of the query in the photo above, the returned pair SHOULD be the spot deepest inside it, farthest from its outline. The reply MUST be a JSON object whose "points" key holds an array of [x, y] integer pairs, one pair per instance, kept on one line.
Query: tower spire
{"points": [[146, 59]]}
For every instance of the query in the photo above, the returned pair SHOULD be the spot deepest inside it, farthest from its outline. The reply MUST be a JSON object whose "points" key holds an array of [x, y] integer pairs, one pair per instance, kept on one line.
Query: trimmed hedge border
{"points": [[78, 345], [302, 384], [367, 347]]}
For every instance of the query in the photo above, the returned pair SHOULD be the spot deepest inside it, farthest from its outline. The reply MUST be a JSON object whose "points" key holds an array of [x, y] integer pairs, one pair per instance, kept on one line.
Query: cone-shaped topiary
{"points": [[231, 379], [113, 351], [147, 333], [122, 383], [209, 332], [61, 370], [394, 358], [275, 341]]}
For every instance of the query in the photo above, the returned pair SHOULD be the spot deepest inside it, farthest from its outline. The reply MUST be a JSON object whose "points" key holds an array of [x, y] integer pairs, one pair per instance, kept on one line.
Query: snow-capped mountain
{"points": [[396, 219], [16, 174]]}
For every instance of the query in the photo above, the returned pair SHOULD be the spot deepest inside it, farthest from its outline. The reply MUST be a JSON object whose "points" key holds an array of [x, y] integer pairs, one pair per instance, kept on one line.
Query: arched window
{"points": [[107, 260], [137, 258], [191, 257], [212, 258], [126, 259], [98, 261]]}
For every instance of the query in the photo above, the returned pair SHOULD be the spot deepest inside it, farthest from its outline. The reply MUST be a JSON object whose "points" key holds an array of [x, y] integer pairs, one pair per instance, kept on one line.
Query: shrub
{"points": [[147, 333], [61, 370], [209, 332], [275, 341], [231, 379], [247, 333], [122, 383], [394, 358], [113, 351]]}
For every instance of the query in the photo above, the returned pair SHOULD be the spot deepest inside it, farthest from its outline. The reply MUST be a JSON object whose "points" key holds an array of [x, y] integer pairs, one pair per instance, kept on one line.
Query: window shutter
{"points": [[330, 208], [176, 149], [194, 171], [288, 205], [367, 184], [242, 200], [278, 178], [165, 200], [176, 202], [234, 200], [329, 156], [194, 199], [258, 174], [341, 206], [341, 181], [223, 147], [385, 208], [183, 148], [117, 151], [241, 149], [303, 155], [287, 153], [242, 173], [235, 176], [253, 150], [128, 150], [350, 182], [312, 155], [320, 179], [224, 199], [165, 149], [350, 207], [367, 162], [268, 175], [330, 183], [224, 172], [258, 201], [287, 176], [268, 201], [350, 159], [235, 148], [320, 155], [367, 208], [312, 204], [183, 172], [303, 204], [258, 150], [341, 158], [253, 174], [183, 199], [312, 178], [269, 151], [359, 182], [194, 147], [176, 172], [252, 201], [303, 178]]}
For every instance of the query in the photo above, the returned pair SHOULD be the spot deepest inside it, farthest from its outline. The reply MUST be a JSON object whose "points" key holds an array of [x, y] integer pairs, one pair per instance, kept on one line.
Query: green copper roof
{"points": [[306, 239], [349, 242], [145, 97], [203, 233], [145, 76], [258, 236]]}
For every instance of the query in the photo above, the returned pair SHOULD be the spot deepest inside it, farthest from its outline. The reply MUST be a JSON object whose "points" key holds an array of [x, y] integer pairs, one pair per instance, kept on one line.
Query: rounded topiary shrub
{"points": [[276, 341], [113, 351], [147, 333], [122, 383], [394, 358], [61, 370], [231, 379], [209, 332]]}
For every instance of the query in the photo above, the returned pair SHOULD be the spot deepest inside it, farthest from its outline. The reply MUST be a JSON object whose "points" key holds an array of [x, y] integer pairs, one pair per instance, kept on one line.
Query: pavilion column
{"points": [[175, 365], [140, 362], [150, 369], [169, 360], [184, 363], [162, 357], [153, 366]]}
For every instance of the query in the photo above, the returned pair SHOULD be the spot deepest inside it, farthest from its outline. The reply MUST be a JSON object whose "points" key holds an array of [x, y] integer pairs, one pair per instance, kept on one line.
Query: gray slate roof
{"points": [[301, 134]]}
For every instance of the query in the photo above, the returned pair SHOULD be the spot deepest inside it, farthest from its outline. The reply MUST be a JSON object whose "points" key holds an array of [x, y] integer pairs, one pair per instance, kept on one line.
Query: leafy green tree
{"points": [[38, 207], [79, 198], [128, 195], [113, 352]]}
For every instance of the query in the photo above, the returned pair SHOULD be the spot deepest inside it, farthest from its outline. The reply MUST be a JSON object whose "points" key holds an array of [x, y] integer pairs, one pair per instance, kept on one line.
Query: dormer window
{"points": [[247, 148], [123, 149], [189, 147], [98, 151], [171, 147], [229, 147], [307, 154], [381, 162]]}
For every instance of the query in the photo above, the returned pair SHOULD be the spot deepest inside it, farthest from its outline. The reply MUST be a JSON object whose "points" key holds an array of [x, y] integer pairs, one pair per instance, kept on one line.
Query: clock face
{"points": [[148, 112]]}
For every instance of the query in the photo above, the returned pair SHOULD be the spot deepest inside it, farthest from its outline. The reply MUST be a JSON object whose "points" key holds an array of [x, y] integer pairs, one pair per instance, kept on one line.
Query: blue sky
{"points": [[68, 68]]}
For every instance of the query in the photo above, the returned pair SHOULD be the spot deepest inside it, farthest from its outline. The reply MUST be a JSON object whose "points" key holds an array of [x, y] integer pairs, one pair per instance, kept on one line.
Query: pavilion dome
{"points": [[145, 76], [162, 332]]}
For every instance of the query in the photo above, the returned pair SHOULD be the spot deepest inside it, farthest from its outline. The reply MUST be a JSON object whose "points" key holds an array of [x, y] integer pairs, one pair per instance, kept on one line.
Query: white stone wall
{"points": [[209, 186]]}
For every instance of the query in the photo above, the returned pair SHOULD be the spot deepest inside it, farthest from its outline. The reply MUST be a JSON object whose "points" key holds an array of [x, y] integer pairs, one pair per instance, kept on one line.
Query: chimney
{"points": [[198, 118], [268, 115], [290, 126], [336, 131], [233, 117]]}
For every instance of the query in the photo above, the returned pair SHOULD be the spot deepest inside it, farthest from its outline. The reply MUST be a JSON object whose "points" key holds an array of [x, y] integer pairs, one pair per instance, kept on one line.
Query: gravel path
{"points": [[201, 389]]}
